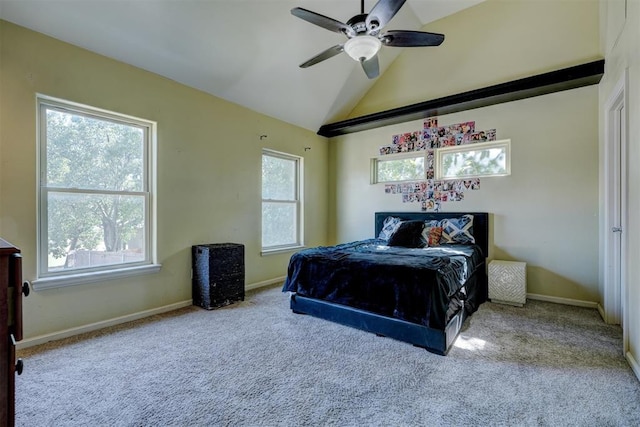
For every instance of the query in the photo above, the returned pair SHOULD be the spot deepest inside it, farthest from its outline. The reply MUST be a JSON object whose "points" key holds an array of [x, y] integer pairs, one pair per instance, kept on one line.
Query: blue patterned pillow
{"points": [[390, 224], [408, 235], [457, 230]]}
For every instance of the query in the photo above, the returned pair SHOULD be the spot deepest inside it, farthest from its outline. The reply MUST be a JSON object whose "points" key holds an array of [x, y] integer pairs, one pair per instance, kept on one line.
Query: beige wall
{"points": [[545, 213], [621, 41], [547, 209], [209, 157], [497, 41], [490, 43], [209, 154]]}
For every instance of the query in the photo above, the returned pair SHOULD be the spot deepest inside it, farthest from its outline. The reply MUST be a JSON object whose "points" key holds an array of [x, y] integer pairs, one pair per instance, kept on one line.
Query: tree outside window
{"points": [[95, 190], [474, 160], [281, 204], [394, 169]]}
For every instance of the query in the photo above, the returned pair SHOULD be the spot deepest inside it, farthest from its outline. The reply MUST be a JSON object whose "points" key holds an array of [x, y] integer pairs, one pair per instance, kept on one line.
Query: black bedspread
{"points": [[416, 285]]}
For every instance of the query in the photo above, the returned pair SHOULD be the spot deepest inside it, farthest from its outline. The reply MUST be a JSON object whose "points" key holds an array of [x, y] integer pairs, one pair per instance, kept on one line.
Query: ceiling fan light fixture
{"points": [[362, 48], [364, 39]]}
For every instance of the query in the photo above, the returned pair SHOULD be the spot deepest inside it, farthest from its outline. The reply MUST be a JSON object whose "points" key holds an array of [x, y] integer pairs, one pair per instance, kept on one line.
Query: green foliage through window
{"points": [[280, 200], [94, 188], [400, 169], [474, 160]]}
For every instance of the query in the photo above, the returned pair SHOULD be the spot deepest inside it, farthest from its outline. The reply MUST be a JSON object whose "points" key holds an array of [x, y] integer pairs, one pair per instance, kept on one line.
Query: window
{"points": [[95, 194], [474, 160], [281, 201], [392, 168]]}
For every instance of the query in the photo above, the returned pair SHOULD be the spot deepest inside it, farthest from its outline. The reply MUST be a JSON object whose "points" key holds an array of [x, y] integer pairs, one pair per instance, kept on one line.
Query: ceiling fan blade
{"points": [[411, 38], [382, 13], [371, 67], [323, 21], [331, 52]]}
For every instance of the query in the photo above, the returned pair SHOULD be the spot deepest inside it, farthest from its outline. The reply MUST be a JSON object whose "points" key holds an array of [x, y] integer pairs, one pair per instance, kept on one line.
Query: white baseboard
{"points": [[635, 367], [41, 339], [565, 301], [601, 311], [264, 283], [29, 342], [634, 364]]}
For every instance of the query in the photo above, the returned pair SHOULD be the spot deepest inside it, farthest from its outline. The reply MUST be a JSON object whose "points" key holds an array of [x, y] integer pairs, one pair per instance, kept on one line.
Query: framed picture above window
{"points": [[476, 160]]}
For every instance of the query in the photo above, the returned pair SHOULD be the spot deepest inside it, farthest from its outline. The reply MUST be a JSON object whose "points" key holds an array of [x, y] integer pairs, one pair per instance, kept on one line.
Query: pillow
{"points": [[390, 224], [433, 223], [457, 230], [431, 235], [408, 234]]}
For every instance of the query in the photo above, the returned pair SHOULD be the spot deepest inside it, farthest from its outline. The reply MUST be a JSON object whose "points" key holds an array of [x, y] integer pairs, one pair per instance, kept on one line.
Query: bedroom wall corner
{"points": [[209, 175], [332, 183], [620, 37], [492, 42]]}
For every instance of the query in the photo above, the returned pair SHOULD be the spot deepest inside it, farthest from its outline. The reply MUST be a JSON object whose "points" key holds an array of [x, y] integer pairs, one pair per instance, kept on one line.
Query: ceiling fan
{"points": [[365, 38]]}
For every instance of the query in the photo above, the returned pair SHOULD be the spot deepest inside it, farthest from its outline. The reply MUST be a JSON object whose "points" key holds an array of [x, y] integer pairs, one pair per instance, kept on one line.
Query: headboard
{"points": [[480, 223]]}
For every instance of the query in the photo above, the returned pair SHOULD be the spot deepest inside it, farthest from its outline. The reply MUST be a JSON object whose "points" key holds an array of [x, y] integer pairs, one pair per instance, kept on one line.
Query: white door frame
{"points": [[615, 206]]}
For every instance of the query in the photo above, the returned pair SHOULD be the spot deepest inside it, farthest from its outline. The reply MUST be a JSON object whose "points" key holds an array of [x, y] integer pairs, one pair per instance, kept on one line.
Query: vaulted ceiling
{"points": [[244, 51]]}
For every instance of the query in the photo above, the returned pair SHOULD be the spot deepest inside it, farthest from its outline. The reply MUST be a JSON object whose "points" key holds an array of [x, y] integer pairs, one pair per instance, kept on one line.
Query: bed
{"points": [[406, 283]]}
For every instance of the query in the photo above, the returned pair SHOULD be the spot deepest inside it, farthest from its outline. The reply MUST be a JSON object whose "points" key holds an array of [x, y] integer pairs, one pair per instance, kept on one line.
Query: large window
{"points": [[281, 201], [95, 194]]}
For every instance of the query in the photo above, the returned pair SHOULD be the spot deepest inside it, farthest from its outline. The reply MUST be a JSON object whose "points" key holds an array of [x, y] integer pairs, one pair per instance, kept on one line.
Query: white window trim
{"points": [[93, 277], [46, 280], [476, 146], [397, 156], [281, 250], [299, 244]]}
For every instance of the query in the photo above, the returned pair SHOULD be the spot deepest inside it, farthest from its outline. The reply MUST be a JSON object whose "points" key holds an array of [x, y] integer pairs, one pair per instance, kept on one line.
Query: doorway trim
{"points": [[615, 206]]}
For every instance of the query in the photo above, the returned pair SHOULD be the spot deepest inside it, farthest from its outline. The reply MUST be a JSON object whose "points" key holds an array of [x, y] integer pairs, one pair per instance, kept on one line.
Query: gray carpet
{"points": [[256, 363]]}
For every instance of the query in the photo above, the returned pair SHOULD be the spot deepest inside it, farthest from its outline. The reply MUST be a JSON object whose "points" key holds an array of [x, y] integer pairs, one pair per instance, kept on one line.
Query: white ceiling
{"points": [[244, 51]]}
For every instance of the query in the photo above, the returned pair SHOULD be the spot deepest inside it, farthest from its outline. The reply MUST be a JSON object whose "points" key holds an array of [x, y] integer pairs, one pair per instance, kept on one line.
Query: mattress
{"points": [[425, 286]]}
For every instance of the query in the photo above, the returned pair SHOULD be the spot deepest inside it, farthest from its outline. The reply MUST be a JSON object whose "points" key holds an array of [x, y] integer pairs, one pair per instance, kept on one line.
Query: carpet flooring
{"points": [[256, 363]]}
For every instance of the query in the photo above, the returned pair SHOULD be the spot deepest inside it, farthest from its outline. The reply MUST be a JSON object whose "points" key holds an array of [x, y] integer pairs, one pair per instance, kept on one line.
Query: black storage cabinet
{"points": [[218, 274]]}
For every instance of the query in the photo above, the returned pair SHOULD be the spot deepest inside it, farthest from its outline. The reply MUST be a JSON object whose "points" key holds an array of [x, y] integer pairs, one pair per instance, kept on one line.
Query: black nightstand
{"points": [[218, 274]]}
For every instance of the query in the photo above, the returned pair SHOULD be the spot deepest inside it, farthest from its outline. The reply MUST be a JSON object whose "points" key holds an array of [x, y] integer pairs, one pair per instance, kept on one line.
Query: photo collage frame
{"points": [[431, 193]]}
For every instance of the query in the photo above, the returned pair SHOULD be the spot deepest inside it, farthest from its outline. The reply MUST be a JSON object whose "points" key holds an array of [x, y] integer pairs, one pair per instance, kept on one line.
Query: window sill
{"points": [[267, 252], [84, 278]]}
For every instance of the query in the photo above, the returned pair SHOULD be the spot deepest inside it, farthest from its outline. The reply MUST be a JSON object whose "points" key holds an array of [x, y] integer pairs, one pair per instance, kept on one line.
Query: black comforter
{"points": [[417, 285]]}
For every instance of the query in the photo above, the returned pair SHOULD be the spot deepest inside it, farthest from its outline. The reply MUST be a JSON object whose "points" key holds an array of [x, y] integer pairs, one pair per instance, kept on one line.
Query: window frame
{"points": [[298, 201], [476, 146], [47, 279], [399, 156]]}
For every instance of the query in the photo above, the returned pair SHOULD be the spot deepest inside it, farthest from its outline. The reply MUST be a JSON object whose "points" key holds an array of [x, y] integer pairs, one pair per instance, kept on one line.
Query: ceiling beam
{"points": [[555, 81]]}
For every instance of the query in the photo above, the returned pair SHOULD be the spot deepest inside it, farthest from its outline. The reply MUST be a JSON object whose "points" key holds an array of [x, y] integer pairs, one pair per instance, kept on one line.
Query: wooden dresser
{"points": [[11, 290]]}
